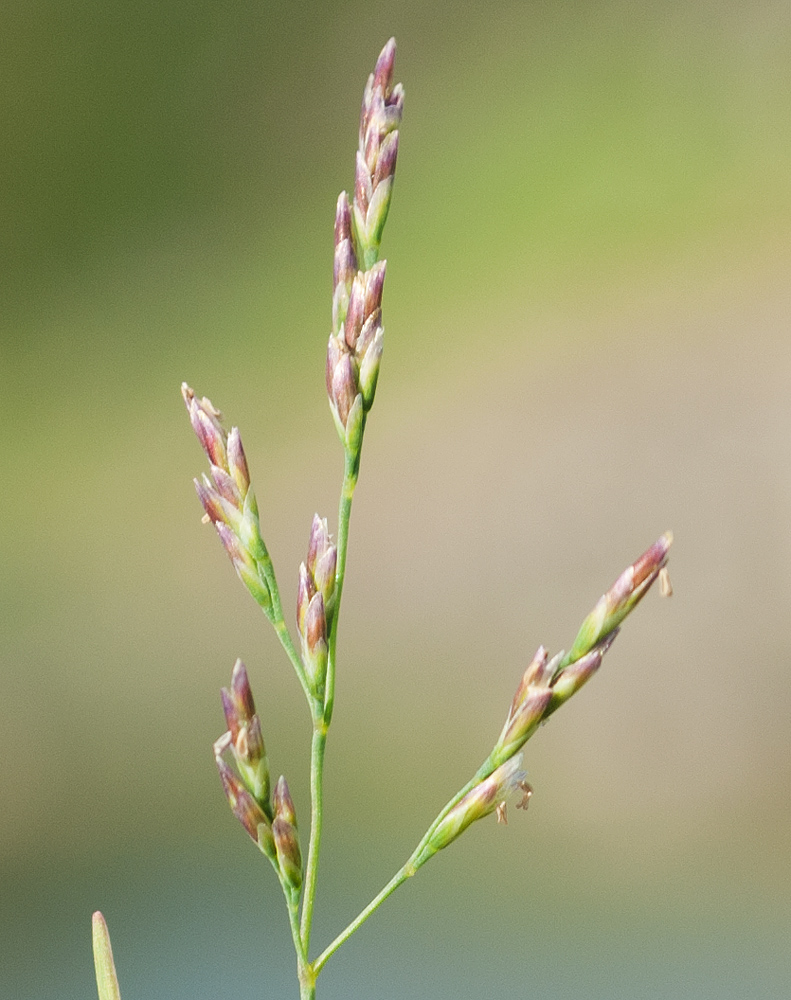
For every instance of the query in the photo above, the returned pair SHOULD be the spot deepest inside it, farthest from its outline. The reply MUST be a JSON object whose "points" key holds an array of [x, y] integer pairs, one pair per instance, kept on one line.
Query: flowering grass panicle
{"points": [[353, 359]]}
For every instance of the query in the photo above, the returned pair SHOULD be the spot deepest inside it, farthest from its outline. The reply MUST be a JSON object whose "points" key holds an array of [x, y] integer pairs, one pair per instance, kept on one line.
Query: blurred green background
{"points": [[587, 312]]}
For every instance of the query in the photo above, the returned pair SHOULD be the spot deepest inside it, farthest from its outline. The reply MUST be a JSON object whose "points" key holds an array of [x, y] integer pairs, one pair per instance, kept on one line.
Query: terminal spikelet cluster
{"points": [[354, 351]]}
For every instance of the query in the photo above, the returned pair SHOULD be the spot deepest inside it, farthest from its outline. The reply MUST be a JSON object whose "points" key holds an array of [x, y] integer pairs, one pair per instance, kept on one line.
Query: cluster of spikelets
{"points": [[355, 347], [545, 685], [353, 358], [269, 819]]}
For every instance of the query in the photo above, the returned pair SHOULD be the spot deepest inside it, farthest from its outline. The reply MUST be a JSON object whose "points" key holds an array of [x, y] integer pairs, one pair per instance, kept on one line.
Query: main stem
{"points": [[321, 720], [317, 749]]}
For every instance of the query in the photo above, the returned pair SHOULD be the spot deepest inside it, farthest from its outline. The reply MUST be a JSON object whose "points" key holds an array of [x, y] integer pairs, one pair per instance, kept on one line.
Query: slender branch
{"points": [[282, 630], [287, 643], [398, 879], [407, 871], [305, 973], [318, 747], [593, 640], [293, 919]]}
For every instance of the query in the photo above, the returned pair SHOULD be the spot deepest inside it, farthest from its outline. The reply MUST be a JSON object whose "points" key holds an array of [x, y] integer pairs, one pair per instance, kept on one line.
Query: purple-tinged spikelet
{"points": [[315, 603], [344, 263], [612, 607], [482, 800], [547, 684], [245, 738], [247, 810], [569, 680], [226, 497], [286, 837]]}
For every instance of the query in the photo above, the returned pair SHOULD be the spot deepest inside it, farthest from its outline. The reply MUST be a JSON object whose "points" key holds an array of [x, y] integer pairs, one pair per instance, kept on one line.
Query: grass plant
{"points": [[354, 353]]}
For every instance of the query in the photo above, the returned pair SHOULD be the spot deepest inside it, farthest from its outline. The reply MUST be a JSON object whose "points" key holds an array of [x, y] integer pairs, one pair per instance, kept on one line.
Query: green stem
{"points": [[317, 749], [305, 973], [416, 860], [287, 643], [280, 627]]}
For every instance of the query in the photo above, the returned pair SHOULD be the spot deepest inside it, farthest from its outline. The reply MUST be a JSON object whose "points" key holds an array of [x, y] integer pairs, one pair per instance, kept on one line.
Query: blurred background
{"points": [[587, 312]]}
